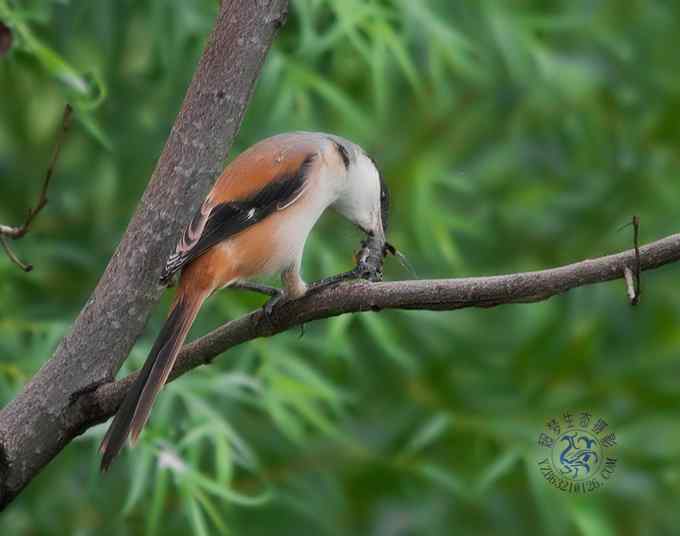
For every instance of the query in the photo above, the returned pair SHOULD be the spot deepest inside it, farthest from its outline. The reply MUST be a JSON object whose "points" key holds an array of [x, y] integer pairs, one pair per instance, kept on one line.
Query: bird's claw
{"points": [[368, 267], [268, 308]]}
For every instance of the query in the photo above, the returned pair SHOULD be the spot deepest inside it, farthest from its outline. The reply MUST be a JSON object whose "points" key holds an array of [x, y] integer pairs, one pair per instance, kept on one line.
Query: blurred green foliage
{"points": [[515, 135]]}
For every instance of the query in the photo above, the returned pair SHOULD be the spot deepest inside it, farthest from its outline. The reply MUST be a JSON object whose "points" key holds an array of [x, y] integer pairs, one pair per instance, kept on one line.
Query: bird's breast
{"points": [[277, 242]]}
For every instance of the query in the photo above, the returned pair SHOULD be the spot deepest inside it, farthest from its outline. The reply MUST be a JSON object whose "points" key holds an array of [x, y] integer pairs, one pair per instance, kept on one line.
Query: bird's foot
{"points": [[268, 308], [333, 280], [256, 287], [359, 272], [368, 267]]}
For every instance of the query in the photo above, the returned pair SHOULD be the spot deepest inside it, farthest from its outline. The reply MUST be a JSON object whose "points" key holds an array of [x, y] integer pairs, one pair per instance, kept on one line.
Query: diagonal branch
{"points": [[42, 420], [36, 425], [359, 296]]}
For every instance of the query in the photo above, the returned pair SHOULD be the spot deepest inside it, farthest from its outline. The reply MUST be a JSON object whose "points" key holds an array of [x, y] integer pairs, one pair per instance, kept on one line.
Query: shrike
{"points": [[254, 222]]}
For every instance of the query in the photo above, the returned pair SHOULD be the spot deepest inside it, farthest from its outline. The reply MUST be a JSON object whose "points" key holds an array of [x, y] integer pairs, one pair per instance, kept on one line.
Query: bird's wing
{"points": [[224, 214]]}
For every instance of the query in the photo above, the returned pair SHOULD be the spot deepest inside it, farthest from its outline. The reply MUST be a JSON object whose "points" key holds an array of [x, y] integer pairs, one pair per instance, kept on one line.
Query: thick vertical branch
{"points": [[33, 427]]}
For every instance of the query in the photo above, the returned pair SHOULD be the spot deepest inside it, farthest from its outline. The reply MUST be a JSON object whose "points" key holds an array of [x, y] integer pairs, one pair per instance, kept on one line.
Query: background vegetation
{"points": [[515, 135]]}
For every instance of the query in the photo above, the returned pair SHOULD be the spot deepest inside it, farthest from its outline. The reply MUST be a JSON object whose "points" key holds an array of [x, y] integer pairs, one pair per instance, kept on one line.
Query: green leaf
{"points": [[591, 520], [219, 489], [155, 512], [500, 467], [428, 433], [141, 473], [196, 515]]}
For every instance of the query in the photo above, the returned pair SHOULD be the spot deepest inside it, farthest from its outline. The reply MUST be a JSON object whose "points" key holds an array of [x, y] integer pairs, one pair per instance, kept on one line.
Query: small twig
{"points": [[12, 256], [15, 233], [634, 288], [638, 268], [630, 285], [5, 39], [255, 287], [42, 199], [7, 231]]}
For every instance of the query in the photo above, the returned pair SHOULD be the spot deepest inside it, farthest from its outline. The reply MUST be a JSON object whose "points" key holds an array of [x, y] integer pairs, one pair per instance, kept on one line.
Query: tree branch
{"points": [[18, 232], [359, 296], [42, 420], [37, 424]]}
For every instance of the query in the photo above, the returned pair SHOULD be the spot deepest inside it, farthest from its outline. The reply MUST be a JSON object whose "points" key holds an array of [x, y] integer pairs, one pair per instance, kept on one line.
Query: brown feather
{"points": [[280, 158], [241, 256], [254, 168], [136, 407]]}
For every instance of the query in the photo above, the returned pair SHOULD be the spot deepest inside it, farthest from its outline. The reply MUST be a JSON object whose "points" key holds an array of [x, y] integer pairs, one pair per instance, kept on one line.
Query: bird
{"points": [[253, 223]]}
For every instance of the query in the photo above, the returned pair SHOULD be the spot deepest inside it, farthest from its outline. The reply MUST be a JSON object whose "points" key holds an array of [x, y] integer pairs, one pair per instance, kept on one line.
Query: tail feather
{"points": [[136, 407]]}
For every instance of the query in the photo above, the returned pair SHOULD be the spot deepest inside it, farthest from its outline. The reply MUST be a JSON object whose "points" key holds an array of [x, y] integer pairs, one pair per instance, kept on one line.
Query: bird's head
{"points": [[364, 198]]}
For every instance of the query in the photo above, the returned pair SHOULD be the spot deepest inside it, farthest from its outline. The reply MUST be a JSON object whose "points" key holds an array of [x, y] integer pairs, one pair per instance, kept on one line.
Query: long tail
{"points": [[136, 407]]}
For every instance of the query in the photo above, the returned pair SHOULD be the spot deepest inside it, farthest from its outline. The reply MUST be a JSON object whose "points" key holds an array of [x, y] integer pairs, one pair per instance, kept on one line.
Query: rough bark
{"points": [[38, 423], [42, 419]]}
